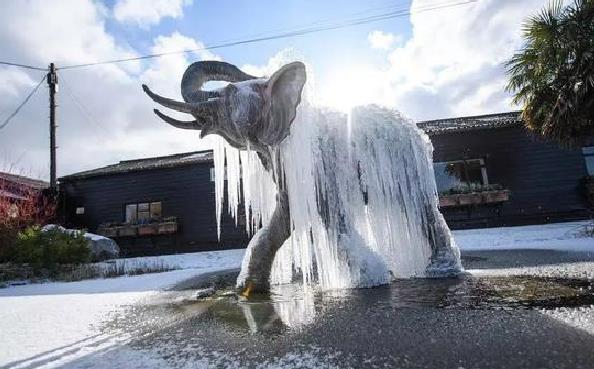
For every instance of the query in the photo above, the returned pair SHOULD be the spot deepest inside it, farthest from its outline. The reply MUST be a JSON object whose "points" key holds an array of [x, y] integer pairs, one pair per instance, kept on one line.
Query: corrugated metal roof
{"points": [[462, 124], [24, 181], [127, 166]]}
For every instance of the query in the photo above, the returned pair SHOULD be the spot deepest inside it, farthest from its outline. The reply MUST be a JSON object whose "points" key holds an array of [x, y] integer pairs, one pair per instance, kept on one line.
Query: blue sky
{"points": [[213, 22], [428, 65]]}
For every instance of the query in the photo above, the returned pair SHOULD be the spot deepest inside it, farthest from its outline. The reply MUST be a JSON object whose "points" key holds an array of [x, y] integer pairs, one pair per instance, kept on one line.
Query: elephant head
{"points": [[248, 112]]}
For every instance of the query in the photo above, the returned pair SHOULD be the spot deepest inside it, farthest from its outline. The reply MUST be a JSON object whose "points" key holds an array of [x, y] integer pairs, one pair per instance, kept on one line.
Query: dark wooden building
{"points": [[151, 206], [490, 172]]}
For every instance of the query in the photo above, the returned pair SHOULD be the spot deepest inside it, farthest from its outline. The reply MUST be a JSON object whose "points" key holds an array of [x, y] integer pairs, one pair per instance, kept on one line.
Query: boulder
{"points": [[102, 248]]}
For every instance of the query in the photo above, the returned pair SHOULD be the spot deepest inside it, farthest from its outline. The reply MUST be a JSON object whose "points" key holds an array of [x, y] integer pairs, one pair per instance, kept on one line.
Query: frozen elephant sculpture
{"points": [[249, 112], [256, 114]]}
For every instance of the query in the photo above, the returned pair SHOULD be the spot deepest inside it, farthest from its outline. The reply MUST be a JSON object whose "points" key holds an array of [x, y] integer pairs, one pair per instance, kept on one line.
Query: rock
{"points": [[205, 292], [102, 248]]}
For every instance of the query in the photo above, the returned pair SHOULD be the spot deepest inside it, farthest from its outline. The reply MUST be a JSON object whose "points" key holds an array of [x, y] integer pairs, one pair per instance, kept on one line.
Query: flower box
{"points": [[167, 227], [473, 198], [470, 199], [147, 229], [108, 231], [127, 231], [496, 196]]}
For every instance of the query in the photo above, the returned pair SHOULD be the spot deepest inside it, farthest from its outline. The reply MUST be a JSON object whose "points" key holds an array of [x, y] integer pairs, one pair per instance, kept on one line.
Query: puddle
{"points": [[290, 307], [407, 316]]}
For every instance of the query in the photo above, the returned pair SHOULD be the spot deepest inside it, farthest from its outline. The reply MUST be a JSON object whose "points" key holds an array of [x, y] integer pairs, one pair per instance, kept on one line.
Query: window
{"points": [[143, 212], [589, 159], [457, 173]]}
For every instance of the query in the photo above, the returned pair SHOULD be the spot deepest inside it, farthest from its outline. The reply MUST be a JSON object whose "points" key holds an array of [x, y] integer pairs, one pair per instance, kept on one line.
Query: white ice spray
{"points": [[362, 198]]}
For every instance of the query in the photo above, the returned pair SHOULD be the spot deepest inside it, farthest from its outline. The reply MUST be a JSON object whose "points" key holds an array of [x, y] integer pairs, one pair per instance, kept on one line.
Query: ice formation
{"points": [[362, 198]]}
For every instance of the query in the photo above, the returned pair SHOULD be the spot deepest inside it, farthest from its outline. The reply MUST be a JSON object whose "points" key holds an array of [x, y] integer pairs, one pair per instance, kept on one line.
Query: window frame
{"points": [[483, 167], [148, 205]]}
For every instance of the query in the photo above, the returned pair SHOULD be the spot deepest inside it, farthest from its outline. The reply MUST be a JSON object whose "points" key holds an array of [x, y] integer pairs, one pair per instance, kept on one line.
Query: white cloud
{"points": [[147, 13], [453, 64], [382, 40], [116, 120]]}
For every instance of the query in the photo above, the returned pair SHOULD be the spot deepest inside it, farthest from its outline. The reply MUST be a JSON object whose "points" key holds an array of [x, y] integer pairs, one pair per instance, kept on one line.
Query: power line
{"points": [[300, 32], [7, 120], [81, 107], [23, 66]]}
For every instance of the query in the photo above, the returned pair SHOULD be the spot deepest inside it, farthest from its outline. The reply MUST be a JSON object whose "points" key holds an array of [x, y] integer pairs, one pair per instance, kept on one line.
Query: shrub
{"points": [[48, 249], [31, 207], [472, 187]]}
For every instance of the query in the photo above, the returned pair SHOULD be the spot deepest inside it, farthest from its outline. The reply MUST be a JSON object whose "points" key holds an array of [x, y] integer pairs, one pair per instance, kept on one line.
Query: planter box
{"points": [[147, 230], [470, 199], [108, 232], [127, 231], [496, 196], [473, 198], [167, 227], [447, 200]]}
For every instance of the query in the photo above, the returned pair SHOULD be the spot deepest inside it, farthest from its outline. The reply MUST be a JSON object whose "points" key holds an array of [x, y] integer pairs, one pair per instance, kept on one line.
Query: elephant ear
{"points": [[283, 94]]}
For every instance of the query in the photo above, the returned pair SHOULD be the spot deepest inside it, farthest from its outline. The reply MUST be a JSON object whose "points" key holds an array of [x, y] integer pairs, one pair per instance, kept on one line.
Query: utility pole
{"points": [[52, 81]]}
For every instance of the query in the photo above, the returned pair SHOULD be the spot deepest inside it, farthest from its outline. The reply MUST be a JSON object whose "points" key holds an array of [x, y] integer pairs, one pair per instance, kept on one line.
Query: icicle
{"points": [[219, 177], [362, 197]]}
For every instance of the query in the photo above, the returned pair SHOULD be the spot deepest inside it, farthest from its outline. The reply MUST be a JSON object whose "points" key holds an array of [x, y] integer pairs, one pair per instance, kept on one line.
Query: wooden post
{"points": [[52, 81]]}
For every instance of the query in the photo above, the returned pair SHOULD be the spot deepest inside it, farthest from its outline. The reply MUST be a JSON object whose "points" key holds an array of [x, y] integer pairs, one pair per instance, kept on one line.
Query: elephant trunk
{"points": [[197, 74]]}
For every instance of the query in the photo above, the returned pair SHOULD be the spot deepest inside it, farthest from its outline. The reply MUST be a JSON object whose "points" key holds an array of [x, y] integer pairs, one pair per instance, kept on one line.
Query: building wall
{"points": [[185, 192], [544, 179]]}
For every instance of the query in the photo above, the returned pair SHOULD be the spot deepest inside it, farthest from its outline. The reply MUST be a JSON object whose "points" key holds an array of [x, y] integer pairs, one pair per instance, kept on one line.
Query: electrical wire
{"points": [[81, 107], [23, 66], [290, 34], [7, 120]]}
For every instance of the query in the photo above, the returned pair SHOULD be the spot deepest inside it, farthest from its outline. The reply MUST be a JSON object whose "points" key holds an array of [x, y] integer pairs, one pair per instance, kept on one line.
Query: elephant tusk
{"points": [[169, 103], [183, 124]]}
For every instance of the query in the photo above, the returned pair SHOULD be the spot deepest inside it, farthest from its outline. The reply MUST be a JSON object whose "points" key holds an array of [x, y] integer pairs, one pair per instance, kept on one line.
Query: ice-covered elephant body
{"points": [[256, 114]]}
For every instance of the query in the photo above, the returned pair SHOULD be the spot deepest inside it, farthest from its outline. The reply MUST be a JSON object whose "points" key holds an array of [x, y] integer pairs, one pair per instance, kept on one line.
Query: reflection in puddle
{"points": [[289, 307]]}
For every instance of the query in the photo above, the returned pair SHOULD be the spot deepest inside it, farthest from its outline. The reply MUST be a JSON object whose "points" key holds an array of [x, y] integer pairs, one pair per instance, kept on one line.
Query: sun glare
{"points": [[350, 86]]}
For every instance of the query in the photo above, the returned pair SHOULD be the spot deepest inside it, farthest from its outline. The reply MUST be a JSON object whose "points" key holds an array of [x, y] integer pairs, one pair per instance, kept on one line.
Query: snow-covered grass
{"points": [[555, 236], [44, 324], [207, 259]]}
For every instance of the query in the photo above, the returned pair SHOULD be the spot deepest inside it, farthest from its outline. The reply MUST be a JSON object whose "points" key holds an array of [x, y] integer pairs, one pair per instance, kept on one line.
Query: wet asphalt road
{"points": [[457, 323]]}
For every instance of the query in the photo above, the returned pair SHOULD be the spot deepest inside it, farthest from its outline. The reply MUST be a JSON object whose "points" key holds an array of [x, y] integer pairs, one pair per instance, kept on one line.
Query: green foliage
{"points": [[472, 187], [47, 249], [552, 76]]}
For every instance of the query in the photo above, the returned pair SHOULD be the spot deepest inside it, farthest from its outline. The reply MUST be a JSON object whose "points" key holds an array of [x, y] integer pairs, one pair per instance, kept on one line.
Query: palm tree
{"points": [[552, 76]]}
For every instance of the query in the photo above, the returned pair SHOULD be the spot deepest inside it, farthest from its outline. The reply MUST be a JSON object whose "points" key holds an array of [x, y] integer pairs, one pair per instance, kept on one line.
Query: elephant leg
{"points": [[257, 262], [445, 258]]}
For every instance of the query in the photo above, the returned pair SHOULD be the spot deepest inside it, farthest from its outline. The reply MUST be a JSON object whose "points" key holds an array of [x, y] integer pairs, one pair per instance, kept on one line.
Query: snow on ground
{"points": [[208, 259], [45, 324], [555, 236], [51, 324]]}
